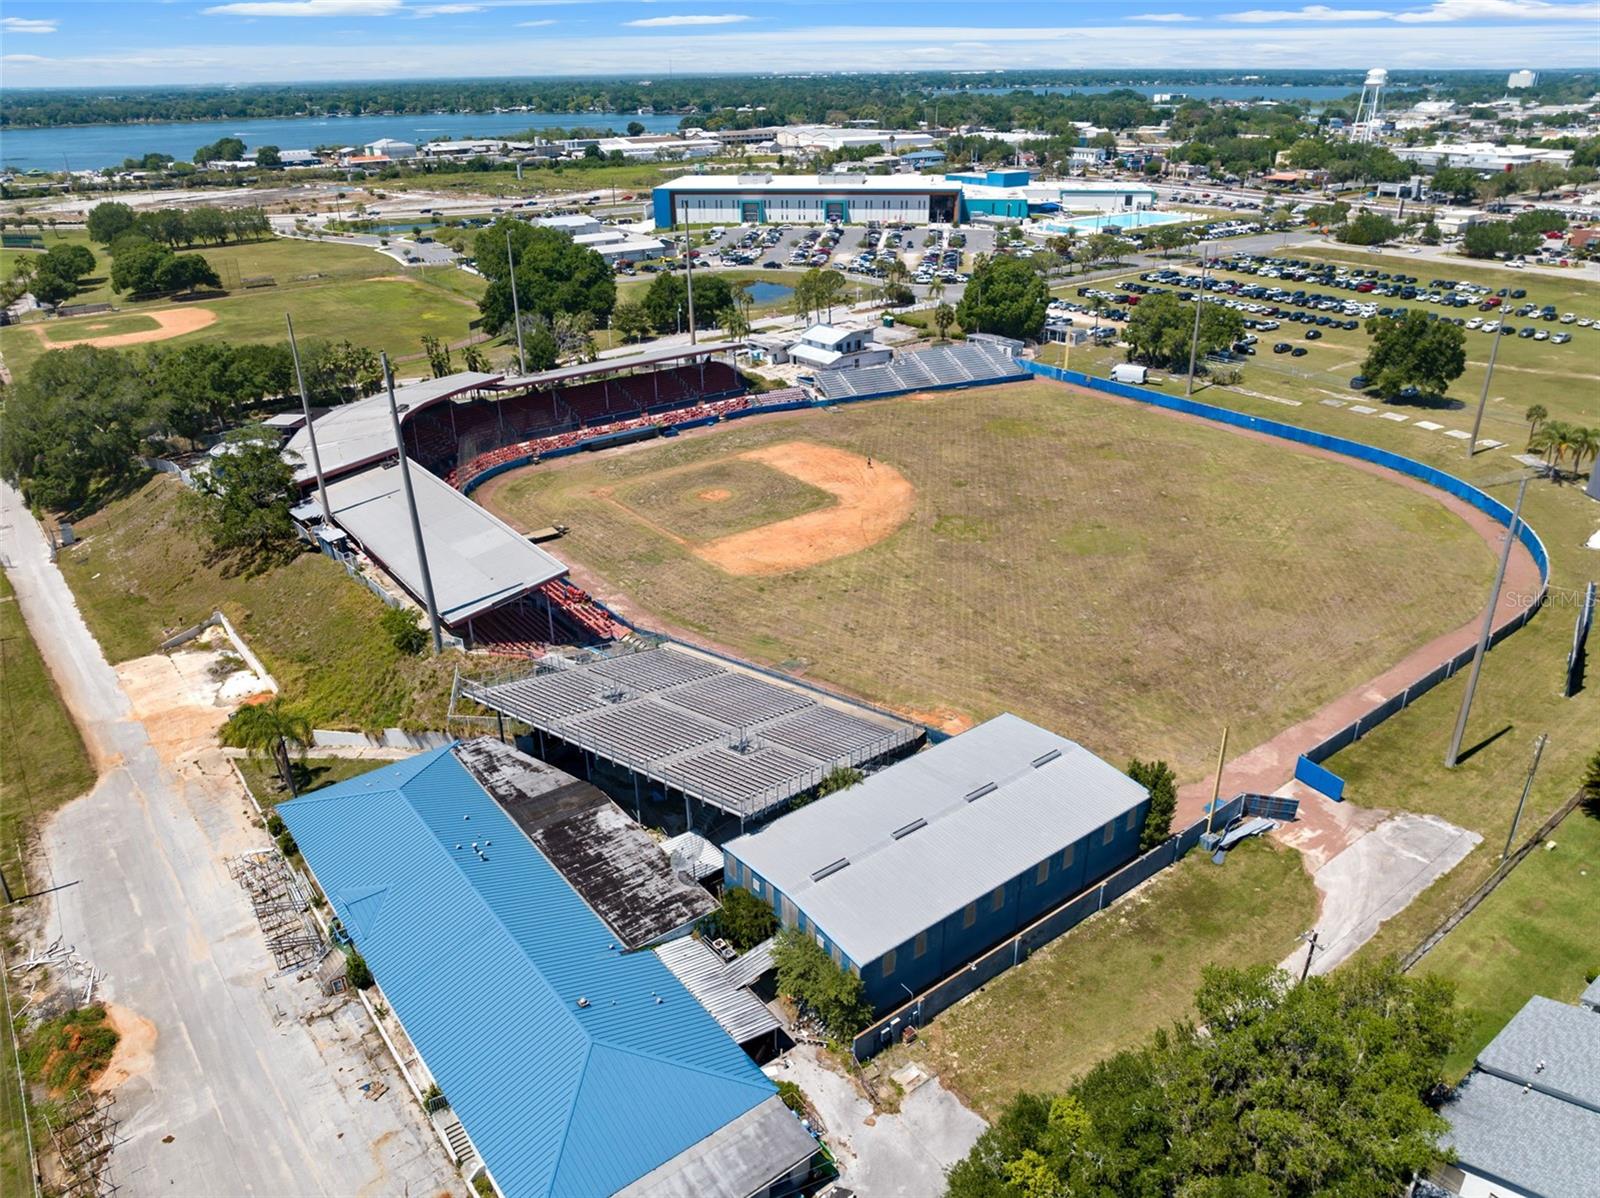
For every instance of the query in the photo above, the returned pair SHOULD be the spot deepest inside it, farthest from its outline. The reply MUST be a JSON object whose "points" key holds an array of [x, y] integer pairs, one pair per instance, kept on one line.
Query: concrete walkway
{"points": [[230, 1079]]}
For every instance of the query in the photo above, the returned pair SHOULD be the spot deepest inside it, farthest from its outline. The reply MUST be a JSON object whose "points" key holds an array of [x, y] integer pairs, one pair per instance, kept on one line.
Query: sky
{"points": [[83, 43]]}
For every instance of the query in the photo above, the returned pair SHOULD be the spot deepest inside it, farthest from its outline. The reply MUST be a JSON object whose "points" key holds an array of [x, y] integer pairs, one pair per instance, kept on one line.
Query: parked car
{"points": [[1282, 347], [1359, 383], [1298, 351], [1313, 334]]}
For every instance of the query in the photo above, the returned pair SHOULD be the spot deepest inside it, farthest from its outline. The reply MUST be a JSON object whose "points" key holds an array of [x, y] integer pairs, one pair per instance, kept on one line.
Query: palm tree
{"points": [[269, 730], [1535, 416], [1584, 443], [1552, 441], [734, 323], [943, 317], [936, 289]]}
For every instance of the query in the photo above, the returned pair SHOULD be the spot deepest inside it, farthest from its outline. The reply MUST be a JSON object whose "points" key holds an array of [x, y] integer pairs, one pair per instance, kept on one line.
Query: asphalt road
{"points": [[237, 1095]]}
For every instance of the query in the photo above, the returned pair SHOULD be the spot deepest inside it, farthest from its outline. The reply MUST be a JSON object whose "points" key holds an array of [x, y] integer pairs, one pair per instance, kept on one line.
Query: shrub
{"points": [[358, 973], [70, 1050], [794, 1098], [275, 825], [842, 778], [286, 844], [743, 918], [404, 632], [832, 993], [1156, 777]]}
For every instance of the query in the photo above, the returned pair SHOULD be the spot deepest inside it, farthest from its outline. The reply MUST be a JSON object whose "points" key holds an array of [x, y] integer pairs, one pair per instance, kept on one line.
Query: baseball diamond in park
{"points": [[1131, 577]]}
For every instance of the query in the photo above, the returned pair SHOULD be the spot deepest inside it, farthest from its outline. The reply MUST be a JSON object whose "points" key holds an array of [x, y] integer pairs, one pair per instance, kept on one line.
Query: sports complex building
{"points": [[952, 199]]}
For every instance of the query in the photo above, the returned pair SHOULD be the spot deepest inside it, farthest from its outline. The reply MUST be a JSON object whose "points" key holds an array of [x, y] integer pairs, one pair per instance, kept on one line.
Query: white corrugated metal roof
{"points": [[710, 979], [356, 434], [477, 560], [693, 854], [934, 832]]}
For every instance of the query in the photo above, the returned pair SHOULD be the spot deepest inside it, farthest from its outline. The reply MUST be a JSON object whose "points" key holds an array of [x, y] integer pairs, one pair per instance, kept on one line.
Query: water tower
{"points": [[1365, 127]]}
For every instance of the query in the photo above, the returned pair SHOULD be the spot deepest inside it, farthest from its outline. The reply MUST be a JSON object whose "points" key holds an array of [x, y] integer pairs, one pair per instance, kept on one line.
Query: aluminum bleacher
{"points": [[955, 365]]}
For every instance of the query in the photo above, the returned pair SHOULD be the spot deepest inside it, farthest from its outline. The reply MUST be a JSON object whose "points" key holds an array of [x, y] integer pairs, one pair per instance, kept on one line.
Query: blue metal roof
{"points": [[484, 960]]}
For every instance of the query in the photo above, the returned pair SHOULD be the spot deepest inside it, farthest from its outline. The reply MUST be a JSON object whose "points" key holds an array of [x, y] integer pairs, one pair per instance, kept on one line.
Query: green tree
{"points": [[1591, 786], [1535, 416], [554, 275], [743, 919], [1414, 351], [109, 220], [474, 359], [71, 261], [1539, 177], [1456, 182], [71, 424], [224, 149], [358, 972], [835, 995], [185, 272], [438, 355], [242, 503], [50, 288], [269, 730], [1430, 234], [1168, 238], [1369, 228], [1005, 296], [1275, 1090], [1161, 331], [136, 266], [1156, 777], [943, 317], [630, 321], [267, 158]]}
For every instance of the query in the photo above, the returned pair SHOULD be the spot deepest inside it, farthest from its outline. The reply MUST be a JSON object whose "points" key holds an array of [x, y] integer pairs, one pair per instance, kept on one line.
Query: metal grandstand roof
{"points": [[939, 366], [719, 988], [477, 560], [357, 434], [575, 1067], [728, 737], [606, 857], [651, 357], [928, 835]]}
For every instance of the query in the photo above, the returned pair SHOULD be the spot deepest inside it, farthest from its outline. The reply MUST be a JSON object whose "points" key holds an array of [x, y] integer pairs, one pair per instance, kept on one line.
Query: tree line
{"points": [[177, 227], [78, 421]]}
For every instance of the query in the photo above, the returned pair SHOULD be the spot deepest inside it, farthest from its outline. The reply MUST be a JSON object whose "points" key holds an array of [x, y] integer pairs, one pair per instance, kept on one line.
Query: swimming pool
{"points": [[1142, 218]]}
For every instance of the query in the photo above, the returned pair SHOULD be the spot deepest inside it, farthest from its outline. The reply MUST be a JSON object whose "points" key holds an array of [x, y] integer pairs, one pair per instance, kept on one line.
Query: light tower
{"points": [[1366, 122]]}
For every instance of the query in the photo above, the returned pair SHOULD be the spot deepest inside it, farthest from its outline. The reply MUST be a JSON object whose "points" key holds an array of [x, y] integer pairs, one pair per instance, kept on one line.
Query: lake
{"points": [[90, 147], [763, 293]]}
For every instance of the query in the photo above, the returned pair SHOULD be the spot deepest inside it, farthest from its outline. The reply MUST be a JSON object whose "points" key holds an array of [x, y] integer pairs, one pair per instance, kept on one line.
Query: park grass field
{"points": [[1113, 980], [1533, 935], [43, 765], [102, 326], [1129, 579], [139, 575]]}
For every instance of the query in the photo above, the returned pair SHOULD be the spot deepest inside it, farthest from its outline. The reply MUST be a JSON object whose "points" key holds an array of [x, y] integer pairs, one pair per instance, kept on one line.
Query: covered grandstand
{"points": [[960, 364], [686, 722]]}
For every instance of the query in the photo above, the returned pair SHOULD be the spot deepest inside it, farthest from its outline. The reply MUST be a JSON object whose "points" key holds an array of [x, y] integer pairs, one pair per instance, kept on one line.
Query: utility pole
{"points": [[1194, 343], [1311, 939], [516, 311], [305, 408], [688, 281], [1216, 786], [1483, 400], [1527, 785], [1454, 752], [411, 507]]}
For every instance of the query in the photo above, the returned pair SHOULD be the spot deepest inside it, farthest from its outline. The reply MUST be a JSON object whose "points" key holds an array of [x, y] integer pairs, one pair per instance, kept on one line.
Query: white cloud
{"points": [[23, 58], [686, 19], [27, 25], [1311, 12], [536, 24], [306, 8], [1165, 18], [445, 10], [1516, 10]]}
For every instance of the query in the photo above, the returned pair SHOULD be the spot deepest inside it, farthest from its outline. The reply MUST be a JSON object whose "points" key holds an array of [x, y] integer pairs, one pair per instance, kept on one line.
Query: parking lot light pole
{"points": [[688, 280], [516, 311], [1483, 400]]}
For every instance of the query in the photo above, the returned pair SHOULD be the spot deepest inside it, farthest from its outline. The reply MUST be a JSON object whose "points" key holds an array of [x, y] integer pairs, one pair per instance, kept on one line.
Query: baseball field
{"points": [[1132, 579]]}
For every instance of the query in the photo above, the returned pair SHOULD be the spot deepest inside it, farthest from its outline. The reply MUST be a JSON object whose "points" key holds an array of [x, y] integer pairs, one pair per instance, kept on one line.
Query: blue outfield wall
{"points": [[1434, 477]]}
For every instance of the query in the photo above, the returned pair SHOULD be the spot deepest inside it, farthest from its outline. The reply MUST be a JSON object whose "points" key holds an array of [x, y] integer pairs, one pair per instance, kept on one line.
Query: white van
{"points": [[1128, 372]]}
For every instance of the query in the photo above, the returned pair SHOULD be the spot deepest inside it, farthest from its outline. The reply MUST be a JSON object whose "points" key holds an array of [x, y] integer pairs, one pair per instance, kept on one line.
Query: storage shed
{"points": [[923, 866]]}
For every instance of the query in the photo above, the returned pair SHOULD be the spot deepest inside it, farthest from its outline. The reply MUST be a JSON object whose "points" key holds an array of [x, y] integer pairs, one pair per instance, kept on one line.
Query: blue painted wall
{"points": [[949, 943], [661, 199]]}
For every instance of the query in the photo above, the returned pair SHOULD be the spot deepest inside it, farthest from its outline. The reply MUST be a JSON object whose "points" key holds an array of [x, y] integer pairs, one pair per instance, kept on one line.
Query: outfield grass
{"points": [[1132, 580], [139, 575], [1116, 978], [42, 765], [1533, 935]]}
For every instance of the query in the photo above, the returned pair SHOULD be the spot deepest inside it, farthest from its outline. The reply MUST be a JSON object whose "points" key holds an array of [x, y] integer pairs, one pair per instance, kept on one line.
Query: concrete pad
{"points": [[1429, 425], [904, 1155], [1324, 828], [1362, 408], [1458, 434], [1376, 877], [1395, 416], [1331, 403], [1487, 444]]}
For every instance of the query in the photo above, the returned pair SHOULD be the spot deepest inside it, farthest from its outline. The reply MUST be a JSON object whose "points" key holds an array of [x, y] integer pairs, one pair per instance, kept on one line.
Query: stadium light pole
{"points": [[311, 433], [1527, 785], [1194, 341], [516, 310], [1483, 400], [1216, 786], [688, 282], [1454, 753], [411, 507]]}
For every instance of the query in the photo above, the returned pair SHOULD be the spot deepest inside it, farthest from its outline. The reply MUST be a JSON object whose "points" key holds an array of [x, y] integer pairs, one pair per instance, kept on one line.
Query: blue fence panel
{"points": [[1380, 713], [1141, 870], [1319, 779]]}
